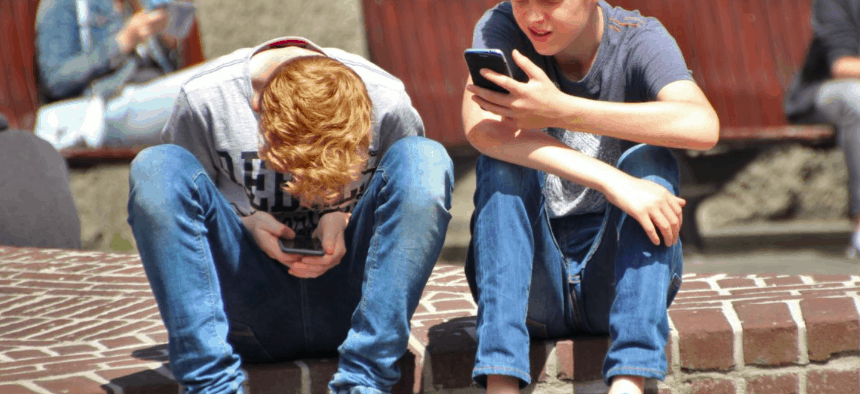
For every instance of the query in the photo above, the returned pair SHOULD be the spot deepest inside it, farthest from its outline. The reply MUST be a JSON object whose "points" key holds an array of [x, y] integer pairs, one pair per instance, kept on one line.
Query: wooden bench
{"points": [[19, 95]]}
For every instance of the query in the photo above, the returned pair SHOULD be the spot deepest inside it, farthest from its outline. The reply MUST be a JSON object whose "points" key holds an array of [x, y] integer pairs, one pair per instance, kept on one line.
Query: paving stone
{"points": [[769, 334], [833, 382], [832, 326], [705, 339], [770, 384], [712, 386]]}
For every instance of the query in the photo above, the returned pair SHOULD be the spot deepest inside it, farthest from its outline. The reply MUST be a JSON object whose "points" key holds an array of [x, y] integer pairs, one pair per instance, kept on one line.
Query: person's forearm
{"points": [[846, 67], [672, 124], [542, 152]]}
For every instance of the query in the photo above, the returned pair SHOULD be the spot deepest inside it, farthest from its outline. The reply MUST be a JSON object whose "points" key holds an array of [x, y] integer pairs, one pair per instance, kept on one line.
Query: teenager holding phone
{"points": [[272, 142], [575, 228]]}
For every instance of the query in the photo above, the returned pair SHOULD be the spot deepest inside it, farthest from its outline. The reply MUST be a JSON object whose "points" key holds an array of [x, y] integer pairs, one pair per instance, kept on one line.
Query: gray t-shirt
{"points": [[212, 118], [637, 57]]}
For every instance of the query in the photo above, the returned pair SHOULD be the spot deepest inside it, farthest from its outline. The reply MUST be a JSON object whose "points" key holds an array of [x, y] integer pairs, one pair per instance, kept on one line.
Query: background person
{"points": [[114, 64], [575, 229], [827, 89]]}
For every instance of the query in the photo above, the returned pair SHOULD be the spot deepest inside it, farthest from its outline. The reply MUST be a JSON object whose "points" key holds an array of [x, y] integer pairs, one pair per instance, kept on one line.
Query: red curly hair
{"points": [[315, 122]]}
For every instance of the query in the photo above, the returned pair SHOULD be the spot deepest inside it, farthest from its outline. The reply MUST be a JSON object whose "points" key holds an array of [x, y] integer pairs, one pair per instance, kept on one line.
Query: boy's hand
{"points": [[535, 104], [266, 231], [330, 232], [652, 205]]}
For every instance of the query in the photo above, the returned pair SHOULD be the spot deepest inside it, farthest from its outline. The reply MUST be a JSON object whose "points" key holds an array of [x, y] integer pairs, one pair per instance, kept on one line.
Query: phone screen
{"points": [[492, 59], [302, 245]]}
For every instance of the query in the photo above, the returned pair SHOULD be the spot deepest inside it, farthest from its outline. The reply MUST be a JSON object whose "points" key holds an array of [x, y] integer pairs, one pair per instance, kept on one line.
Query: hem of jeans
{"points": [[479, 374], [357, 390], [648, 373]]}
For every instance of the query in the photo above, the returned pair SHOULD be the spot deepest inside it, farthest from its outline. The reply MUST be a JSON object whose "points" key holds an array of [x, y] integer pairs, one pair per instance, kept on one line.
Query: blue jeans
{"points": [[224, 301], [537, 277], [838, 102]]}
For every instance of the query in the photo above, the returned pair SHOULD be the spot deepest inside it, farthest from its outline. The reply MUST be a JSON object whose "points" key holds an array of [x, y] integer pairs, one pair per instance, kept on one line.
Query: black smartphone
{"points": [[492, 59], [308, 246]]}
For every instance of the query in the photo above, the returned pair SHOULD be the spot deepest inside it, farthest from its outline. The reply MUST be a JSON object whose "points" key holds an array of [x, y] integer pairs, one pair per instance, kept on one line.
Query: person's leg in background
{"points": [[839, 103], [137, 115]]}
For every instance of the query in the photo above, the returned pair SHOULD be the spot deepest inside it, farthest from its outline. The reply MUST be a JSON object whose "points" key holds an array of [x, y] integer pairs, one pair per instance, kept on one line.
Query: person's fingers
{"points": [[503, 81], [531, 69], [645, 221], [664, 226], [675, 220], [491, 107]]}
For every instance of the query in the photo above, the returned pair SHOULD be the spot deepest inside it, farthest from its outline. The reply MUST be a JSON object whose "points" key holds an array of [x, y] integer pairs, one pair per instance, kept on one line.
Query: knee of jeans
{"points": [[840, 102], [655, 163], [157, 177], [422, 168], [500, 176]]}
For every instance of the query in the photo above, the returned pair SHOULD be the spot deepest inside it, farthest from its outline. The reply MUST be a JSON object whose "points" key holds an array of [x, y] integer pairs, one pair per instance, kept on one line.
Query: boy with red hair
{"points": [[271, 142]]}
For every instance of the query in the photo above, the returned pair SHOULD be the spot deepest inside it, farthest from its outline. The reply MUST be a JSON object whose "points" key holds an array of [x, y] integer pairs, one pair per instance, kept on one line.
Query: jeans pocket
{"points": [[245, 343]]}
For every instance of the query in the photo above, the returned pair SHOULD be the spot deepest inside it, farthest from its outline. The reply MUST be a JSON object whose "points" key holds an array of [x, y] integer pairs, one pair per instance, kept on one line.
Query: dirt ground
{"points": [[782, 183]]}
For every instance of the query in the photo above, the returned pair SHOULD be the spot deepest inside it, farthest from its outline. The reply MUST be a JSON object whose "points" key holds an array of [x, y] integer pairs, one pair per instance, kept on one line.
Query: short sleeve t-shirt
{"points": [[637, 57]]}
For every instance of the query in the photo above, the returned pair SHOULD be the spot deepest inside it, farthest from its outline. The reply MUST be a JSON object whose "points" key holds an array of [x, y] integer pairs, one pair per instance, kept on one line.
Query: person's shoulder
{"points": [[217, 73], [630, 23], [373, 76]]}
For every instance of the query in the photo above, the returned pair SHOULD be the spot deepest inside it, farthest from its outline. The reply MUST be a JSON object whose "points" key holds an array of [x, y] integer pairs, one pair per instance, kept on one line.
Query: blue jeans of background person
{"points": [[838, 103], [134, 117], [222, 299], [537, 277]]}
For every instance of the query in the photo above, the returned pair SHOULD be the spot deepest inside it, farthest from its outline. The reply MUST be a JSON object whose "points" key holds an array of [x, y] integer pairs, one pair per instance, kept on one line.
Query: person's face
{"points": [[553, 25]]}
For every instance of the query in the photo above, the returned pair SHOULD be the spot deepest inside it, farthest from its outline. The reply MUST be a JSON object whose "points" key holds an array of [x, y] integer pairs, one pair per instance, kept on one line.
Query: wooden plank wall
{"points": [[743, 53], [422, 43]]}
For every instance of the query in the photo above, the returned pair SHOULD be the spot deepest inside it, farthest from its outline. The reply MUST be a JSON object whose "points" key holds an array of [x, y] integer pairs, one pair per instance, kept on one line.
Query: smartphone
{"points": [[492, 59], [308, 246]]}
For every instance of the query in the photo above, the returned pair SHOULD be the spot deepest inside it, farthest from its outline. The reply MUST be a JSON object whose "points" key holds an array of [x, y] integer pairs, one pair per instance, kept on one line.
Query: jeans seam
{"points": [[497, 368], [642, 369], [201, 246]]}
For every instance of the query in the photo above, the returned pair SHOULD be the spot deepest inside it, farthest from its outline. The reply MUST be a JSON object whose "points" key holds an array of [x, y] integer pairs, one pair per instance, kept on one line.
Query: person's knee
{"points": [[840, 102], [156, 177], [654, 163], [421, 167], [497, 176]]}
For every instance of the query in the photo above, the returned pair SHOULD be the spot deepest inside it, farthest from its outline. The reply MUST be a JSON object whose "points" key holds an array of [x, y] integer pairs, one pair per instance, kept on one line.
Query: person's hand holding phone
{"points": [[266, 231], [330, 232], [142, 25], [531, 105]]}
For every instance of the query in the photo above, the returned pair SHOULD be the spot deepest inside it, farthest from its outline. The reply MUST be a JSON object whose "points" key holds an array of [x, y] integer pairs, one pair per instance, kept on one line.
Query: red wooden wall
{"points": [[742, 53]]}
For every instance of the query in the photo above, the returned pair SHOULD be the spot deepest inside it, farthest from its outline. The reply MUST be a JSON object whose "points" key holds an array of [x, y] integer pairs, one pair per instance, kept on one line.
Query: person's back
{"points": [[37, 209]]}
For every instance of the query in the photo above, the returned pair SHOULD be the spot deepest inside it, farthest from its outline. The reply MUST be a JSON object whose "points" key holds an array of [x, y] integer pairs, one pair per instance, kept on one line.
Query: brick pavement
{"points": [[85, 322]]}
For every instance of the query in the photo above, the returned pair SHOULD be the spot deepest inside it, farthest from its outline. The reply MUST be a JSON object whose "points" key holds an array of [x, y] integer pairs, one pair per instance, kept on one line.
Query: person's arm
{"points": [[681, 117], [834, 24], [654, 207]]}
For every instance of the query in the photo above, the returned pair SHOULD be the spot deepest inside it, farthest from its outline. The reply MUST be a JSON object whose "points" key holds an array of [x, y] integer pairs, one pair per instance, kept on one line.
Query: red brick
{"points": [[103, 308], [784, 281], [119, 279], [771, 384], [53, 335], [832, 326], [74, 349], [694, 285], [72, 385], [145, 314], [120, 342], [819, 278], [564, 354], [705, 339], [770, 334], [104, 326], [785, 288], [88, 293], [828, 293], [19, 290], [833, 382], [24, 354], [456, 289], [694, 295], [160, 337], [16, 389], [45, 276], [453, 305], [736, 282], [445, 295], [715, 386]]}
